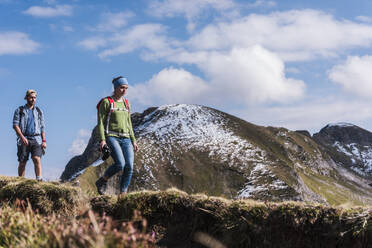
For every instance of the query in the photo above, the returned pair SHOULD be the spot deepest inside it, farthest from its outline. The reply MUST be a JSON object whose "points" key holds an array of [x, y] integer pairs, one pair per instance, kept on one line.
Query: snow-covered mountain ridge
{"points": [[199, 149], [349, 145]]}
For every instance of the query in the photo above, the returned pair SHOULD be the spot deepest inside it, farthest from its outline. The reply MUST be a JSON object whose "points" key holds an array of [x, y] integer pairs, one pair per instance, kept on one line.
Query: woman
{"points": [[115, 129]]}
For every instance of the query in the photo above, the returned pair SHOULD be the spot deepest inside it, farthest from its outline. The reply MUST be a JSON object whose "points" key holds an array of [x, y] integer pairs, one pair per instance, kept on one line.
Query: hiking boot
{"points": [[101, 185]]}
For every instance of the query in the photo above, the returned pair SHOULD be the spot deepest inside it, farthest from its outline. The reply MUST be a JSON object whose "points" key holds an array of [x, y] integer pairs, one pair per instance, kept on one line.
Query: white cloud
{"points": [[354, 75], [46, 12], [364, 18], [251, 75], [93, 43], [242, 76], [150, 37], [295, 35], [248, 54], [80, 143], [191, 9], [170, 86], [16, 43], [188, 8], [262, 3], [114, 21]]}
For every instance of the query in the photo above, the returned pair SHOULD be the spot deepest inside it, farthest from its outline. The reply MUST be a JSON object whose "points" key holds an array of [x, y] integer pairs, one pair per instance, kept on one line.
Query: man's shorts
{"points": [[24, 151]]}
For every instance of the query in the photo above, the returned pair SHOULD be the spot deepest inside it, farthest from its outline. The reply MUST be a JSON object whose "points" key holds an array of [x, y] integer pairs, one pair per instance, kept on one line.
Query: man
{"points": [[28, 123]]}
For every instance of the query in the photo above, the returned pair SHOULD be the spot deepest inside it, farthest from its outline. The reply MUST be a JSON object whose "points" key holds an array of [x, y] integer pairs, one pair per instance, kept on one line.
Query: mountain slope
{"points": [[350, 146], [199, 149]]}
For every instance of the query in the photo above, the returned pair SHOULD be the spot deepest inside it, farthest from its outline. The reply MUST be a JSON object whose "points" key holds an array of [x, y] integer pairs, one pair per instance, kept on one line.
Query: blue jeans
{"points": [[123, 155]]}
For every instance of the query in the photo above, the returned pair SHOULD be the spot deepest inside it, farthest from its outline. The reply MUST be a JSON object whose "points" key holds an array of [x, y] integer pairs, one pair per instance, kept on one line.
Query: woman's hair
{"points": [[116, 78]]}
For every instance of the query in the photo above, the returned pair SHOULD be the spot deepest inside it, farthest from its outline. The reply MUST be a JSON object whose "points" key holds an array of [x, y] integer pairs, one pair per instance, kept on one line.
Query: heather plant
{"points": [[20, 226]]}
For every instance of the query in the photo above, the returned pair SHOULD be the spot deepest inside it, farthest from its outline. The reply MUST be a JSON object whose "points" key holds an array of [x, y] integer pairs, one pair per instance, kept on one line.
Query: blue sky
{"points": [[296, 64]]}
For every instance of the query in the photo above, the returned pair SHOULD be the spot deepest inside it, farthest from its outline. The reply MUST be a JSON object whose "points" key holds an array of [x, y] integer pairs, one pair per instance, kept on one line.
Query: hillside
{"points": [[200, 149], [170, 218]]}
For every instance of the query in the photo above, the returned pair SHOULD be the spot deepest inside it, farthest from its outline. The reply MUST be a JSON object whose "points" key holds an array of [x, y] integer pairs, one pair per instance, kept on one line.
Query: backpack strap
{"points": [[21, 108], [39, 112], [112, 106], [111, 101], [126, 103]]}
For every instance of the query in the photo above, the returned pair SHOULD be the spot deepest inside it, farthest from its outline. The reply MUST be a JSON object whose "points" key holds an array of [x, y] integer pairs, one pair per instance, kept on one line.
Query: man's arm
{"points": [[16, 122], [42, 130], [20, 134]]}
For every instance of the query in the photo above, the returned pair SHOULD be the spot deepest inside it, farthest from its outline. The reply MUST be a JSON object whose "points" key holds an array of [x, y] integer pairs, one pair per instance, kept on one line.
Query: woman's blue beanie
{"points": [[119, 81]]}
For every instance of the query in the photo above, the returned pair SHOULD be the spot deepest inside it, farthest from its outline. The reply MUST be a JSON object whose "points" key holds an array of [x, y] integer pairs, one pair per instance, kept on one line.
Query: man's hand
{"points": [[135, 146], [102, 144], [44, 145], [24, 140]]}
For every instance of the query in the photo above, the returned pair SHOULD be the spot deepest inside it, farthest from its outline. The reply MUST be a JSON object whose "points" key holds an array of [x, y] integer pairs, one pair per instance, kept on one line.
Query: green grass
{"points": [[336, 193]]}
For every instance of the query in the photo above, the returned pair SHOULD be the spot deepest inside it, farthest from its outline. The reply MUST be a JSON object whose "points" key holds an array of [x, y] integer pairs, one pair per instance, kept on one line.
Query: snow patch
{"points": [[197, 127], [357, 153], [341, 124]]}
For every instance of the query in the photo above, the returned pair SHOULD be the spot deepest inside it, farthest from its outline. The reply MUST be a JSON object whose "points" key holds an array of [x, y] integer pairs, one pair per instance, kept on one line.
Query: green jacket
{"points": [[120, 124]]}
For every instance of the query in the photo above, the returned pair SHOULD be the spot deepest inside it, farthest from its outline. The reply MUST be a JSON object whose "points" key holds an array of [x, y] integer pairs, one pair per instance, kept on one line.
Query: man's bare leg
{"points": [[37, 164], [21, 169]]}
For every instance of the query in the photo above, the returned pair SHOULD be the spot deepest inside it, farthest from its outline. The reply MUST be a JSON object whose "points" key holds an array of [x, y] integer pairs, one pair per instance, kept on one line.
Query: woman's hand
{"points": [[102, 144], [135, 146]]}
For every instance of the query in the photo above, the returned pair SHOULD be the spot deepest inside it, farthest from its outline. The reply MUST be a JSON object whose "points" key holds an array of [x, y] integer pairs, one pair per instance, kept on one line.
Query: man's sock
{"points": [[39, 178]]}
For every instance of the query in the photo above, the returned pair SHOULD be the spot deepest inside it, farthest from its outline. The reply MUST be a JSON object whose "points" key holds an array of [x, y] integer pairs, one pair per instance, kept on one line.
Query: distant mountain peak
{"points": [[340, 124], [349, 146]]}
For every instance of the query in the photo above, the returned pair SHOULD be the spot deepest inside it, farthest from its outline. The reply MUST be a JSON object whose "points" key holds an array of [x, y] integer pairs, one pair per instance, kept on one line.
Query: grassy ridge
{"points": [[46, 197], [172, 218], [58, 215], [184, 217]]}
